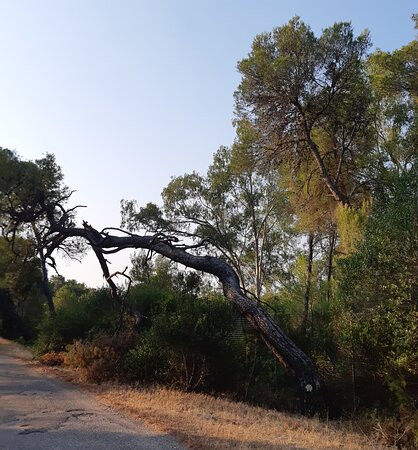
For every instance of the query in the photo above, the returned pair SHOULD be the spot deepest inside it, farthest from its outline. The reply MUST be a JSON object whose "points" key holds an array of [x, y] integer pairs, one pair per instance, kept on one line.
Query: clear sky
{"points": [[127, 94]]}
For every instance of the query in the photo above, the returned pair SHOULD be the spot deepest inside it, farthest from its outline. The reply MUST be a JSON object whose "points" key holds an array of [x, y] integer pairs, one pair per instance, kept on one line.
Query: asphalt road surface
{"points": [[39, 412]]}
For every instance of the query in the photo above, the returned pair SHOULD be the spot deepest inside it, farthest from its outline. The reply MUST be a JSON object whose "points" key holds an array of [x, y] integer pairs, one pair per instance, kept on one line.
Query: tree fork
{"points": [[331, 184], [45, 285]]}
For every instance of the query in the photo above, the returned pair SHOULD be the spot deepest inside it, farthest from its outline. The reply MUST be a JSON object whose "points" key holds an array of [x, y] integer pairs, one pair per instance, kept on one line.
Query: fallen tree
{"points": [[310, 386]]}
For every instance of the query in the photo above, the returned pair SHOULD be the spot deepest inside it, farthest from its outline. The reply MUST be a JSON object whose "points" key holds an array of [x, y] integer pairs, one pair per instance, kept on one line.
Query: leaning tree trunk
{"points": [[307, 300], [310, 386], [330, 263], [45, 280], [45, 285]]}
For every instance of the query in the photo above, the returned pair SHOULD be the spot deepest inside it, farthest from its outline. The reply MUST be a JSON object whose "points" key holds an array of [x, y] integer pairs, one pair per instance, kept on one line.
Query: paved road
{"points": [[38, 412]]}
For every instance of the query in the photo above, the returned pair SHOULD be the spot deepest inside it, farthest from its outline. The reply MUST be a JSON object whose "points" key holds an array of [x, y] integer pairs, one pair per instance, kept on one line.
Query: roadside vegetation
{"points": [[205, 421]]}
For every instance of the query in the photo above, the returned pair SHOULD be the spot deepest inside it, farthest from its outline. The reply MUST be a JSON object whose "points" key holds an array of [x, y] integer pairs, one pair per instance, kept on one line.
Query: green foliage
{"points": [[295, 86], [350, 226], [236, 209], [378, 284], [32, 199], [27, 186], [395, 87], [79, 312], [326, 148], [21, 280], [185, 342]]}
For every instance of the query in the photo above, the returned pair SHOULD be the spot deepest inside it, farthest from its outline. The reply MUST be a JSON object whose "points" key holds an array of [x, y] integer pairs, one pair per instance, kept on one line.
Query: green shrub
{"points": [[378, 287], [147, 361], [186, 345], [78, 314]]}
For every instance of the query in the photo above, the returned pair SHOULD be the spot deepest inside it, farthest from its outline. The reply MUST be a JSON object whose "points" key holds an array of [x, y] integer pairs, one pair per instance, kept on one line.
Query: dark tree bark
{"points": [[45, 285], [283, 348], [45, 280], [307, 299], [330, 263]]}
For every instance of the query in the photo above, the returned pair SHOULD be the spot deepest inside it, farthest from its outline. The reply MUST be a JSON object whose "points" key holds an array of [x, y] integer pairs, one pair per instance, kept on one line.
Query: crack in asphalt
{"points": [[34, 430]]}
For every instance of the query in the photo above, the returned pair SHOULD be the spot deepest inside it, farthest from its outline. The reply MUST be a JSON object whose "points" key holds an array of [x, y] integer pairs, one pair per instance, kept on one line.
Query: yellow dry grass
{"points": [[205, 422], [202, 421]]}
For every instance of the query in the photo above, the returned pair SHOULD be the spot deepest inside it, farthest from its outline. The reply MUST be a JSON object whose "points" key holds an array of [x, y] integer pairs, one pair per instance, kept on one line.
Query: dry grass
{"points": [[202, 421], [205, 422]]}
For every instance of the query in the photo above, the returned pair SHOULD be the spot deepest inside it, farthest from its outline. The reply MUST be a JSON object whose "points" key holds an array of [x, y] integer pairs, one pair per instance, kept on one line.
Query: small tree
{"points": [[32, 198], [237, 209]]}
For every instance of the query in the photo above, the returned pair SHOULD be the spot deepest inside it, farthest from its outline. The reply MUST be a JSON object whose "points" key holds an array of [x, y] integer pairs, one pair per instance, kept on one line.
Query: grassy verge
{"points": [[202, 421]]}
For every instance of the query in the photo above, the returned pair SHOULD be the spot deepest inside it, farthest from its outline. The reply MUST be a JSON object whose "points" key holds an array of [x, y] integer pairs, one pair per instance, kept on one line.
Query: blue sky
{"points": [[127, 94]]}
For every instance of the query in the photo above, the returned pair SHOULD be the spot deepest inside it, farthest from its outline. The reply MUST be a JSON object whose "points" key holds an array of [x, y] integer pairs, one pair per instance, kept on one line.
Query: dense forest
{"points": [[313, 209]]}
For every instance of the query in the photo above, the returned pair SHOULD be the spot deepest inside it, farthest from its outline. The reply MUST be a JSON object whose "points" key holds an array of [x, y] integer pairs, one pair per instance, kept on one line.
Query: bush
{"points": [[186, 345], [100, 358], [79, 313], [147, 361], [52, 358]]}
